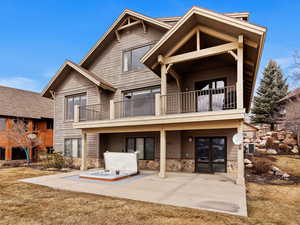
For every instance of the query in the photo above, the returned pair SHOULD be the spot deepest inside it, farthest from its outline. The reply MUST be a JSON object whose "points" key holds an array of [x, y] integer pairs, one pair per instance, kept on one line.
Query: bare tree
{"points": [[19, 136]]}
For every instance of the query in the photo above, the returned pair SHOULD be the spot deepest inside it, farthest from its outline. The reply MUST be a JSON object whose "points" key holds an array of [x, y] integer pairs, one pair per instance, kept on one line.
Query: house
{"points": [[174, 89], [288, 108], [35, 111]]}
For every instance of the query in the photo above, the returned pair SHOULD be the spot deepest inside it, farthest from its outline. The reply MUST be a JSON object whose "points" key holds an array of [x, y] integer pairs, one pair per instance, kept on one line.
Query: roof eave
{"points": [[113, 26], [212, 15]]}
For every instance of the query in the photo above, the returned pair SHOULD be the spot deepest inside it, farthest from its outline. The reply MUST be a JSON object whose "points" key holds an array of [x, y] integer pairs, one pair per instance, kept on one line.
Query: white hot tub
{"points": [[118, 165]]}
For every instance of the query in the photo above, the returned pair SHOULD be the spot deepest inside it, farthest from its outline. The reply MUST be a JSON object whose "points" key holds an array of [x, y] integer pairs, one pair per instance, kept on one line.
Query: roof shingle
{"points": [[25, 104]]}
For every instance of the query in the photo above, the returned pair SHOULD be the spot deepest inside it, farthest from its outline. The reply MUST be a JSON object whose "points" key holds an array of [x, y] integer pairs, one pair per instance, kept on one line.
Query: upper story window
{"points": [[71, 101], [131, 58], [2, 124]]}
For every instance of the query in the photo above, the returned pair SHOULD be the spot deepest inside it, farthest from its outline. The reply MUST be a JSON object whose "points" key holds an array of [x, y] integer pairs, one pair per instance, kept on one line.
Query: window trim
{"points": [[66, 104]]}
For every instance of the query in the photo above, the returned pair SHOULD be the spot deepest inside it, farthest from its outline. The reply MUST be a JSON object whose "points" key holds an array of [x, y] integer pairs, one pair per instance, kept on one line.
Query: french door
{"points": [[210, 154]]}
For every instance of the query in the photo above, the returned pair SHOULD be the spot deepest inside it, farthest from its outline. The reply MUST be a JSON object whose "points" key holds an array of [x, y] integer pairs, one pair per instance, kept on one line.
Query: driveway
{"points": [[200, 191]]}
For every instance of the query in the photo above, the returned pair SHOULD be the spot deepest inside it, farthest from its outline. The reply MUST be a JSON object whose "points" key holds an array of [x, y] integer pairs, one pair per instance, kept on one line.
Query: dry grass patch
{"points": [[23, 203], [289, 164]]}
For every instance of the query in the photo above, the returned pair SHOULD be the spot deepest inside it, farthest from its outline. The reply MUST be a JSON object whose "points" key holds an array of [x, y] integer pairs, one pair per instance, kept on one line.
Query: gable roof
{"points": [[291, 94], [111, 31], [26, 104], [221, 22], [63, 71]]}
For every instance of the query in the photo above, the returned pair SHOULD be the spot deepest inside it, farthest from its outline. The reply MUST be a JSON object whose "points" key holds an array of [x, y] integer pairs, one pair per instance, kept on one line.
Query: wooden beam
{"points": [[168, 67], [144, 26], [248, 62], [198, 40], [117, 35], [187, 37], [129, 25], [176, 76], [239, 84], [216, 50], [233, 55], [225, 37]]}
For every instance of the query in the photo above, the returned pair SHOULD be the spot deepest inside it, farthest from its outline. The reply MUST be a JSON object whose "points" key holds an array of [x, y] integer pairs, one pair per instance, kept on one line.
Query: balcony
{"points": [[199, 105]]}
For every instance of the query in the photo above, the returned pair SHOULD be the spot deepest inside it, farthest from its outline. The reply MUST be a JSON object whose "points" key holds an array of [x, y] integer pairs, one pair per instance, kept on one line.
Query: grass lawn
{"points": [[23, 203]]}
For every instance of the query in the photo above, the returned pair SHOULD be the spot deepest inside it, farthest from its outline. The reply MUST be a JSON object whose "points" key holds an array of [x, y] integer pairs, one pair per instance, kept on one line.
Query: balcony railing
{"points": [[182, 102], [139, 106], [199, 101], [94, 112]]}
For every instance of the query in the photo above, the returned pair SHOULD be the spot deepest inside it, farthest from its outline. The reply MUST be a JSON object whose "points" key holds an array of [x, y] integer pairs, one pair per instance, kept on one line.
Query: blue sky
{"points": [[37, 36]]}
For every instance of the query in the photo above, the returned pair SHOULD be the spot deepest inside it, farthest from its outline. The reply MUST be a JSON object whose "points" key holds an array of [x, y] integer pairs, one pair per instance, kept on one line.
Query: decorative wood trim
{"points": [[216, 50]]}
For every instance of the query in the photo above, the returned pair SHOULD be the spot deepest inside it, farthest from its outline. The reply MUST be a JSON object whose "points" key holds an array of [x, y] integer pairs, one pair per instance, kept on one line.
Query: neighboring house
{"points": [[289, 107], [174, 89], [33, 110]]}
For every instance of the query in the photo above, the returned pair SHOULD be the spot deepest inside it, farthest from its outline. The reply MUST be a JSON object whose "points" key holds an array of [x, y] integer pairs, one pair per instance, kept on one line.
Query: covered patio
{"points": [[200, 191]]}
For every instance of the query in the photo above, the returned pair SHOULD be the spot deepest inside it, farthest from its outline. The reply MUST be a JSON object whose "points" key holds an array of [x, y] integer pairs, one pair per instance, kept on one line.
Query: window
{"points": [[2, 153], [2, 124], [49, 124], [145, 146], [131, 58], [212, 95], [140, 102], [72, 147], [71, 101]]}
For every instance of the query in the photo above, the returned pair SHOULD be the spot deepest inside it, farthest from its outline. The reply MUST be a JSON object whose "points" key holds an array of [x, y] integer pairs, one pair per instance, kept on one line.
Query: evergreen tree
{"points": [[272, 88]]}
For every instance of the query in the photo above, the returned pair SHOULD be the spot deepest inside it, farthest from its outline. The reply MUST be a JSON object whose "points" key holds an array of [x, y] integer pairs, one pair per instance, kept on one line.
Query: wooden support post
{"points": [[163, 80], [157, 105], [240, 159], [8, 153], [111, 110], [239, 85], [84, 152], [163, 87], [163, 149]]}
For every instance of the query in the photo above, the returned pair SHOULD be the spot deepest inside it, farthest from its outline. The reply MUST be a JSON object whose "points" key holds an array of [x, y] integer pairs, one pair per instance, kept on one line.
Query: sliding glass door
{"points": [[210, 154]]}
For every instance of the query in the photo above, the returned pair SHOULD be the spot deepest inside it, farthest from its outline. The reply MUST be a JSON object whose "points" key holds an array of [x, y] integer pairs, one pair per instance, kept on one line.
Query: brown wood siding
{"points": [[73, 84], [45, 135], [109, 64]]}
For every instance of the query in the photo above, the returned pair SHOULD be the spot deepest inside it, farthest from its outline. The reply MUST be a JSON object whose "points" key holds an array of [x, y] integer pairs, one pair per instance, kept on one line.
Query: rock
{"points": [[276, 142], [295, 149], [247, 140], [269, 133], [269, 142], [66, 169], [283, 147], [51, 169], [285, 176], [261, 150], [274, 135], [279, 173], [275, 168], [281, 137], [263, 143], [271, 151], [290, 141], [247, 161], [250, 165]]}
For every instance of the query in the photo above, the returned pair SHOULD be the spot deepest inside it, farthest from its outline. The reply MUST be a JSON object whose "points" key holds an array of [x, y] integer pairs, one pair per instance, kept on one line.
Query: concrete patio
{"points": [[200, 191]]}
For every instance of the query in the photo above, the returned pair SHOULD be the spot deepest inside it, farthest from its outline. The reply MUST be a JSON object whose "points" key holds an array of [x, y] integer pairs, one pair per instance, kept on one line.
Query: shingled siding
{"points": [[74, 84], [109, 63]]}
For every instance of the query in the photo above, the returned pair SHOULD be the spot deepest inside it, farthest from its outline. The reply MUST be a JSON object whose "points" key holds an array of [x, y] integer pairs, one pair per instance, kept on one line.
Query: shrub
{"points": [[261, 166], [55, 160]]}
